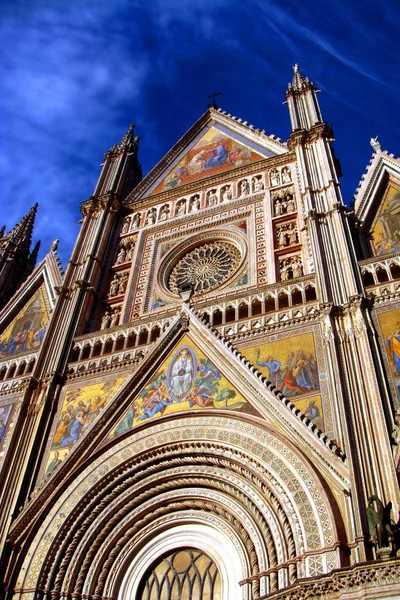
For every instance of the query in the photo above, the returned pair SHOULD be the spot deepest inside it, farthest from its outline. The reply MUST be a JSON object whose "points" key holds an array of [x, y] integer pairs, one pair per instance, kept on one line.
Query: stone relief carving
{"points": [[136, 221], [226, 193], [164, 212], [244, 187], [212, 198], [126, 224], [151, 217], [258, 184], [287, 234], [195, 203], [106, 320], [180, 207], [275, 177], [284, 204], [290, 268]]}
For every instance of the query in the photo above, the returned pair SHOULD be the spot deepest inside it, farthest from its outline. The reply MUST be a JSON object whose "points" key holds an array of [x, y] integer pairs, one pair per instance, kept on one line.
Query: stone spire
{"points": [[24, 229], [34, 254], [121, 168], [301, 97], [129, 143], [16, 260]]}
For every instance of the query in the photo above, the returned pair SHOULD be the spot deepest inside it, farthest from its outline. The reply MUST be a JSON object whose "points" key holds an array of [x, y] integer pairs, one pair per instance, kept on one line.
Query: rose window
{"points": [[205, 267]]}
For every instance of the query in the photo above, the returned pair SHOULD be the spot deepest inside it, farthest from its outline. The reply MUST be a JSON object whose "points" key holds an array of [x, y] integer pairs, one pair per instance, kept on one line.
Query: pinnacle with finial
{"points": [[24, 228], [54, 245], [375, 144]]}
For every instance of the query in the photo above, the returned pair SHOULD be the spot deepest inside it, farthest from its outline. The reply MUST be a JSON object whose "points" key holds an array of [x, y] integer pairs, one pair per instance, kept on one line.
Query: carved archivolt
{"points": [[205, 467]]}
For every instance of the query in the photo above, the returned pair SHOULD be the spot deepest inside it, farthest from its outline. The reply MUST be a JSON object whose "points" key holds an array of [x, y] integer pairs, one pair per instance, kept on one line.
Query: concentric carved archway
{"points": [[220, 472]]}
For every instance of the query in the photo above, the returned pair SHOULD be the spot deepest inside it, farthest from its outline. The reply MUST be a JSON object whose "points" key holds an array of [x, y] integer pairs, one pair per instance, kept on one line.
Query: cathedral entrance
{"points": [[184, 574]]}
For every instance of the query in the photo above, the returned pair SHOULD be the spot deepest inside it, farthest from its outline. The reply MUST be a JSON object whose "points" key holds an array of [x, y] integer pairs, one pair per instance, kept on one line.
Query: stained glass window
{"points": [[184, 574]]}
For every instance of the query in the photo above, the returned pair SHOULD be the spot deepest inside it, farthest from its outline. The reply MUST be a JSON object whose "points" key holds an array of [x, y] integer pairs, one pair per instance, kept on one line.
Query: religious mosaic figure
{"points": [[182, 373], [296, 376], [393, 345]]}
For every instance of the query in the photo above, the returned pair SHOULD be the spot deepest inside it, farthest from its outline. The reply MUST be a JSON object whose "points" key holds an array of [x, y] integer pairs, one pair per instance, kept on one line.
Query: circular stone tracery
{"points": [[205, 267]]}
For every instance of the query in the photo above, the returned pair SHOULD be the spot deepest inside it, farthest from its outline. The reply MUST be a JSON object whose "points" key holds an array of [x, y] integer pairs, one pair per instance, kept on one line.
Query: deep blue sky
{"points": [[76, 73]]}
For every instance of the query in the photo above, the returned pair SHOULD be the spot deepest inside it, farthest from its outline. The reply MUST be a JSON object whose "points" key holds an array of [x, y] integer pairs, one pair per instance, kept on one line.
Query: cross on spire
{"points": [[213, 103]]}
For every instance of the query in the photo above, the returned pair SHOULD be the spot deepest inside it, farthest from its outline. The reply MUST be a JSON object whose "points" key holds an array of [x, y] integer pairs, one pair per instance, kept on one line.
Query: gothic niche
{"points": [[125, 251], [244, 187], [195, 203], [287, 234], [290, 267], [212, 198], [118, 284], [205, 268], [258, 185], [283, 201], [226, 193], [180, 208]]}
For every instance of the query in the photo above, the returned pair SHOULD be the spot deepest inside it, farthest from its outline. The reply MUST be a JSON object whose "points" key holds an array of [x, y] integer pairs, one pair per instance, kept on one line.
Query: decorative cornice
{"points": [[356, 578]]}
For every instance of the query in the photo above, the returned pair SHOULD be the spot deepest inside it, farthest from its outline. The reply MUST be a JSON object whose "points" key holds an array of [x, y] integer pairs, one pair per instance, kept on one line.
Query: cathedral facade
{"points": [[206, 404]]}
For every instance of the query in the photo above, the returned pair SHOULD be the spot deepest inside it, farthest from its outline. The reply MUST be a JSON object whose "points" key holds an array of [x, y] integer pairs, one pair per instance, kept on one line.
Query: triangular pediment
{"points": [[217, 150], [24, 320], [187, 381], [216, 143], [377, 204]]}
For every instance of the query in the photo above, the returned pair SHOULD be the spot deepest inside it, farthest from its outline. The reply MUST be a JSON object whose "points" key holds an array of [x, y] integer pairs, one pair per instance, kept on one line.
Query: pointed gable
{"points": [[377, 203], [24, 320], [27, 330], [215, 152], [216, 143], [187, 381]]}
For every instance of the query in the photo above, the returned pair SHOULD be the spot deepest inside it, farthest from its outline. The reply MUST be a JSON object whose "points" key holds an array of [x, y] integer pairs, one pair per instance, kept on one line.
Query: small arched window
{"points": [[184, 574]]}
